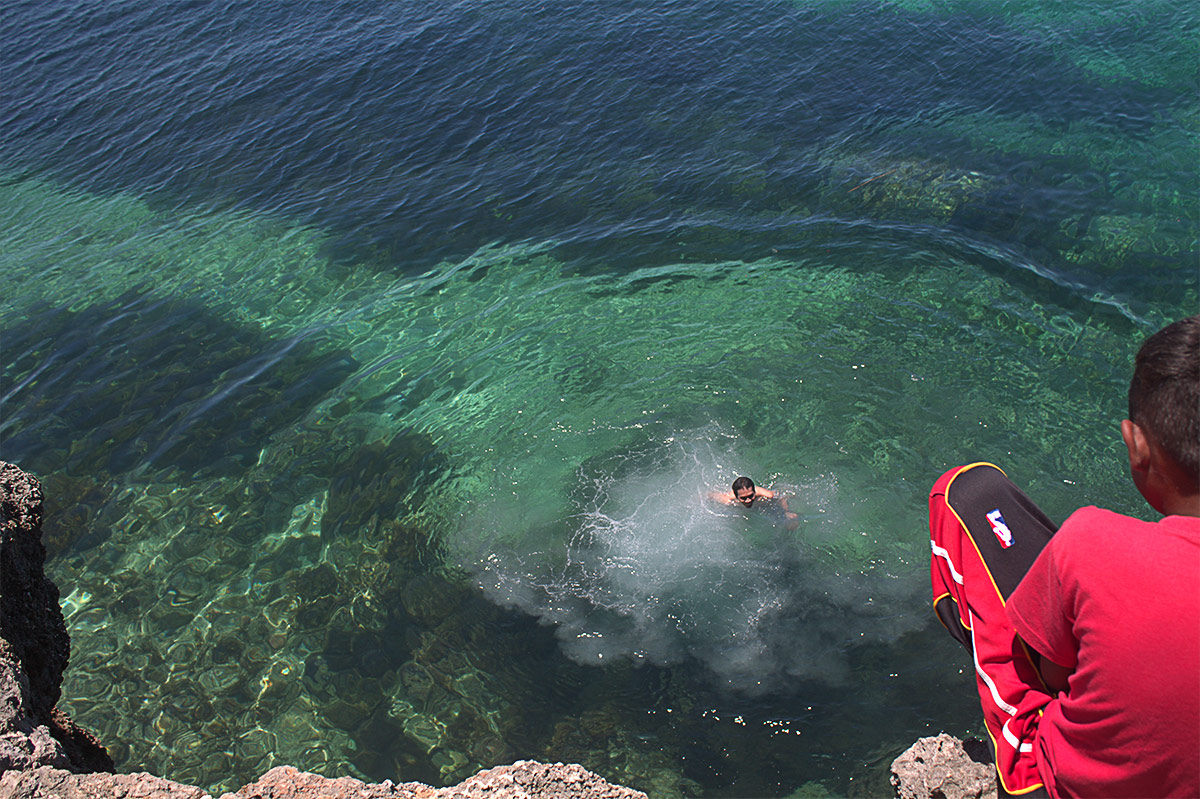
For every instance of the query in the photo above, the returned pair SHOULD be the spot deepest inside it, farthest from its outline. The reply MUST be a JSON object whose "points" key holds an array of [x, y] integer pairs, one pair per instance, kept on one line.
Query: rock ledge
{"points": [[522, 780]]}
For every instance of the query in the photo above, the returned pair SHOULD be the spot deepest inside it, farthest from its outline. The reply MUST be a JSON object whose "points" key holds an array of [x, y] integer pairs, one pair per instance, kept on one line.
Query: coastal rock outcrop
{"points": [[522, 780], [945, 767], [44, 782], [34, 646]]}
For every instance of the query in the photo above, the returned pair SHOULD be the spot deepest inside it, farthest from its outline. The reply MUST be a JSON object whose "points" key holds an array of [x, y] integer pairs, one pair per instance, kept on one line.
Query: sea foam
{"points": [[643, 564]]}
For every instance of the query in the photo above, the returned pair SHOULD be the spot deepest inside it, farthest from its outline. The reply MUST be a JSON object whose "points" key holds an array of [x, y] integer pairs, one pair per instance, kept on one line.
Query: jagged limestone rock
{"points": [[34, 646], [942, 767]]}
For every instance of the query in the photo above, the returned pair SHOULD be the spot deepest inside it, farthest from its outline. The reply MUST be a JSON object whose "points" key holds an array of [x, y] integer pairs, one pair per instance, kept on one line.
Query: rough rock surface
{"points": [[522, 780], [34, 646], [44, 782], [30, 619], [944, 767]]}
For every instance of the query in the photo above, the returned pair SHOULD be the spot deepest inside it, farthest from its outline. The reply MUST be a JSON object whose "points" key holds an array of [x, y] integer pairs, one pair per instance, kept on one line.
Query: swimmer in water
{"points": [[745, 492]]}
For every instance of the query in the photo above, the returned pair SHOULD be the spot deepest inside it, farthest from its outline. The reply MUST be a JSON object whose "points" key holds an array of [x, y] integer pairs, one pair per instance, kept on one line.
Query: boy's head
{"points": [[743, 490], [1163, 428]]}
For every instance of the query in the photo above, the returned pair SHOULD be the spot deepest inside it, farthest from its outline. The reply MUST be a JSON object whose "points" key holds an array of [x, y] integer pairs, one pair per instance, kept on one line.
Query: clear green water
{"points": [[406, 493], [301, 609]]}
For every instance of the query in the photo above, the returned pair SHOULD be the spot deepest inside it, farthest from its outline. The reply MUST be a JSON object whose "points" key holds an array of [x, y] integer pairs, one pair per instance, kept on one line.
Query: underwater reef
{"points": [[44, 753]]}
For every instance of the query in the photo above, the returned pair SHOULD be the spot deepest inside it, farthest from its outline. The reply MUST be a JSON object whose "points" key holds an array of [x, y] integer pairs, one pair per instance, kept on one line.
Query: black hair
{"points": [[741, 484], [1164, 395]]}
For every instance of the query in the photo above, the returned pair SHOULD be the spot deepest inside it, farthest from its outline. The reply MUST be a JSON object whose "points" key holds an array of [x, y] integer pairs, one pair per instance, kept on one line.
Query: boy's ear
{"points": [[1138, 445], [1141, 463]]}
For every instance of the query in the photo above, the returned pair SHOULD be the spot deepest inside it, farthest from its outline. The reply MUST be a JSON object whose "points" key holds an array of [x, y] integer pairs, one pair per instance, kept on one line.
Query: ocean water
{"points": [[377, 360]]}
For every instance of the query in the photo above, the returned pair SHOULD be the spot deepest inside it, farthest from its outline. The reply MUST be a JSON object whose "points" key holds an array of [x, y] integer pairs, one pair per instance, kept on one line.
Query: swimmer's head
{"points": [[743, 491]]}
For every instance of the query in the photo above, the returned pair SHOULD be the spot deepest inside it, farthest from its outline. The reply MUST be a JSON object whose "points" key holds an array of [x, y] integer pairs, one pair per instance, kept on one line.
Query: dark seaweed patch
{"points": [[137, 381]]}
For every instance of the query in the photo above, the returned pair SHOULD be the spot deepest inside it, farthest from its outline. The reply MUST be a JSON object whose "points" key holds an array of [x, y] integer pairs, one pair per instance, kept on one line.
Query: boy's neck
{"points": [[1169, 487], [1178, 494], [1182, 506]]}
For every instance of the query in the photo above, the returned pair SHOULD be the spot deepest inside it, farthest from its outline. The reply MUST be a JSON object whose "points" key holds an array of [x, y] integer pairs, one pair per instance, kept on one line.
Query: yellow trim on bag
{"points": [[975, 546], [951, 597], [1000, 777]]}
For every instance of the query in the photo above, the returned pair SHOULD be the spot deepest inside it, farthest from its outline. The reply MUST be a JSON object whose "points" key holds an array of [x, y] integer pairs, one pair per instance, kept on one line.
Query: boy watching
{"points": [[1086, 641]]}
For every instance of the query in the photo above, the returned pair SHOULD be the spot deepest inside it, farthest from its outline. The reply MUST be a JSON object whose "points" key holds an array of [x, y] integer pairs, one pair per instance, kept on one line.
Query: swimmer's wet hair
{"points": [[741, 484], [1164, 395]]}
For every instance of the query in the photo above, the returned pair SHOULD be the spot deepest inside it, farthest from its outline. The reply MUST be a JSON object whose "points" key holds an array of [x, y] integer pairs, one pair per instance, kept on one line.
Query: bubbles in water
{"points": [[643, 563]]}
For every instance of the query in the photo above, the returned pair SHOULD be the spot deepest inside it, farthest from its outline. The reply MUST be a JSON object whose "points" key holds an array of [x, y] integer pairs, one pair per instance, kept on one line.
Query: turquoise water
{"points": [[377, 361]]}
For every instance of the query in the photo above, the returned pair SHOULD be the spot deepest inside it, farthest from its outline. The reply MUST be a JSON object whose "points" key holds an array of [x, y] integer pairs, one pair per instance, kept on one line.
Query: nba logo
{"points": [[1000, 528]]}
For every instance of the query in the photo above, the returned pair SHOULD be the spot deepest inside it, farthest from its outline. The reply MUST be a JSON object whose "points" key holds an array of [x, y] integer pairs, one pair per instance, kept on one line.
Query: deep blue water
{"points": [[376, 359]]}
